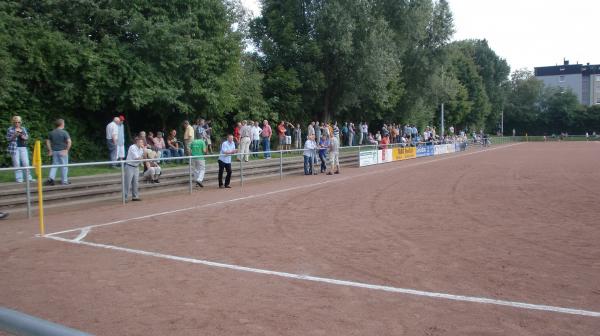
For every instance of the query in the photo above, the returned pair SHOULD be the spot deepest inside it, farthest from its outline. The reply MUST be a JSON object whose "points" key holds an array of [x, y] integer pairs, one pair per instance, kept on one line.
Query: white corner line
{"points": [[304, 186], [407, 291], [82, 234]]}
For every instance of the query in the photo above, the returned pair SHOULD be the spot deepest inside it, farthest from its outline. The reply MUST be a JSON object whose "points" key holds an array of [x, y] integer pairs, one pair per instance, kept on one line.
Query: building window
{"points": [[561, 79], [597, 78]]}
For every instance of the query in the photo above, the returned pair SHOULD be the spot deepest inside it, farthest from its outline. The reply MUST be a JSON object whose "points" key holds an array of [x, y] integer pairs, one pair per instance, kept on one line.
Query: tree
{"points": [[557, 109], [522, 110], [86, 61]]}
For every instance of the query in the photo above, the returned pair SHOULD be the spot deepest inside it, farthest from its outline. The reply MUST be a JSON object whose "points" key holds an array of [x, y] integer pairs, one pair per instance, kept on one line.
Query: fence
{"points": [[281, 157], [367, 154]]}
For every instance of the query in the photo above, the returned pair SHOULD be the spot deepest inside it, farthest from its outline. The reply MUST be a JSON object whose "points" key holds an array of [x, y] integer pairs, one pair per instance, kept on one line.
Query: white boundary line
{"points": [[462, 298], [304, 186]]}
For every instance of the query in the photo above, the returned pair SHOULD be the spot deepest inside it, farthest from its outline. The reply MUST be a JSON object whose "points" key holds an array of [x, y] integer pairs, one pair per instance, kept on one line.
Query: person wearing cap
{"points": [[17, 137], [59, 144], [132, 172], [112, 139], [121, 139]]}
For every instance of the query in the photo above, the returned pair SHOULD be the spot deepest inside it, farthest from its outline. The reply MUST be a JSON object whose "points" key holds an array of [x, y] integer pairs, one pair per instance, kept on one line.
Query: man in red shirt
{"points": [[281, 134], [266, 138]]}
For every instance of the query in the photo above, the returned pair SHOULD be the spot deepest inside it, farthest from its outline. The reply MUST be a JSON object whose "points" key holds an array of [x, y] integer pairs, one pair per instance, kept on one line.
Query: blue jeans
{"points": [[267, 147], [176, 152], [323, 157], [57, 159], [308, 165], [164, 153], [255, 147], [20, 159]]}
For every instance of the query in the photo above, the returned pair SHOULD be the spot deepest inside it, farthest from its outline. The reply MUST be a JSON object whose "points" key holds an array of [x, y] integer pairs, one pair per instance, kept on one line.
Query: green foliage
{"points": [[534, 109], [87, 61], [327, 59], [159, 63]]}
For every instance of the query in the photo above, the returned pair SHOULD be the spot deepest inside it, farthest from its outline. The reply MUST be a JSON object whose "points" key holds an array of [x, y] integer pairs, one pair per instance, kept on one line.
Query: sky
{"points": [[526, 33]]}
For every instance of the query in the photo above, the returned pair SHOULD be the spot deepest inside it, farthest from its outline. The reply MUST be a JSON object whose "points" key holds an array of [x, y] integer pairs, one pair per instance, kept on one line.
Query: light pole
{"points": [[442, 130], [502, 123], [442, 109]]}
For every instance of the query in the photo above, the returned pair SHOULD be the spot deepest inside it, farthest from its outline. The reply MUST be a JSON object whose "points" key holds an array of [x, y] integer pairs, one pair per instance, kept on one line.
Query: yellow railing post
{"points": [[37, 163]]}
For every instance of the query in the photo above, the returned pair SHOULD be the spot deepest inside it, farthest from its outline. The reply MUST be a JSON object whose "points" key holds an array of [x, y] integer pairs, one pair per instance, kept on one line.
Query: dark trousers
{"points": [[224, 166]]}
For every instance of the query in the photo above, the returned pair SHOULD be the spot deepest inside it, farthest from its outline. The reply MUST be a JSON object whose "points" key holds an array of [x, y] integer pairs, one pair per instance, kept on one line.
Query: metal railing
{"points": [[121, 164], [17, 323], [280, 153]]}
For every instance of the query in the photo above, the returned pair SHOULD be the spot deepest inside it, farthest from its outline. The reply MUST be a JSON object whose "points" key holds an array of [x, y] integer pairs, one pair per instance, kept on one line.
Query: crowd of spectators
{"points": [[248, 139]]}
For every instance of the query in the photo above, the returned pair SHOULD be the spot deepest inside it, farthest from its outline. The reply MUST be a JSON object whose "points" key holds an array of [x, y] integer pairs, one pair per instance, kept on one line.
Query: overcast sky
{"points": [[527, 33]]}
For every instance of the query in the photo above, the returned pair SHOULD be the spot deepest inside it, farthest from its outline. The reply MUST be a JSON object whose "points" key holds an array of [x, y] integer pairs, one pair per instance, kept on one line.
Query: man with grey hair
{"points": [[132, 172], [112, 139], [59, 144], [245, 134]]}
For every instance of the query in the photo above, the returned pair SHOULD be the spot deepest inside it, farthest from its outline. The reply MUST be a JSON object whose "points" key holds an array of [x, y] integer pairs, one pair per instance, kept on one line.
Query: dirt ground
{"points": [[516, 223]]}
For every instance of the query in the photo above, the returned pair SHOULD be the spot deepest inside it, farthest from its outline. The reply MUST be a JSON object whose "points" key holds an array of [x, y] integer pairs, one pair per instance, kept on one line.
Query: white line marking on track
{"points": [[279, 191], [463, 298], [82, 234]]}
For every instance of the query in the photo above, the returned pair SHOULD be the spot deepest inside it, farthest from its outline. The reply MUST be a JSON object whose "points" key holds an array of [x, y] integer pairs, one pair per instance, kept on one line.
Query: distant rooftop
{"points": [[568, 69]]}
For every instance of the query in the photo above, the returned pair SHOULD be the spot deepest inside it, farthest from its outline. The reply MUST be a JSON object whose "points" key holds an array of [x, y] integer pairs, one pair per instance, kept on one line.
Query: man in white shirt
{"points": [[310, 147], [112, 139], [364, 132], [255, 137], [132, 172], [227, 149]]}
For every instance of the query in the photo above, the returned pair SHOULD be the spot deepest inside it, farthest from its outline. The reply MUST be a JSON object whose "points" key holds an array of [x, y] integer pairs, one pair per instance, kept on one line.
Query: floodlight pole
{"points": [[442, 130], [502, 123]]}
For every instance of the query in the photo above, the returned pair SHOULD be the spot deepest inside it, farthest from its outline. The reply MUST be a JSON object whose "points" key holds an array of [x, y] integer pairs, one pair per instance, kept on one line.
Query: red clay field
{"points": [[504, 241]]}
